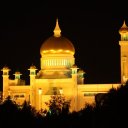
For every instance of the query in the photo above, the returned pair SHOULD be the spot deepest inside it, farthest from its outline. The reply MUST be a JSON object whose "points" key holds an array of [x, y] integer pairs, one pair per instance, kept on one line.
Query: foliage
{"points": [[58, 104], [113, 107], [110, 110]]}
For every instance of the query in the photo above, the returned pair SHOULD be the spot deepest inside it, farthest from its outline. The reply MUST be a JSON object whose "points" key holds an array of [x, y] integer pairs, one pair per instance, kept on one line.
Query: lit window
{"points": [[5, 73], [22, 96], [16, 96], [89, 94], [17, 77], [32, 73]]}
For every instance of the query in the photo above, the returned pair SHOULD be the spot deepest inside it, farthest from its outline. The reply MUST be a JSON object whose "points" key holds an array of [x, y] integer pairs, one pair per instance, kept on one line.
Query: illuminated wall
{"points": [[58, 75]]}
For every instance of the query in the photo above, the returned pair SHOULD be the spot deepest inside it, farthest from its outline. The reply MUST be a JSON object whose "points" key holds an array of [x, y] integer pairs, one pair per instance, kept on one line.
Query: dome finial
{"points": [[124, 25], [123, 29], [57, 31]]}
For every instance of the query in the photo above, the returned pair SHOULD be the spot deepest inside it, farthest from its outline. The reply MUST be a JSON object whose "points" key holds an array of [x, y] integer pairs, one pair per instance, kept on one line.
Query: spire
{"points": [[123, 29], [57, 31], [124, 25]]}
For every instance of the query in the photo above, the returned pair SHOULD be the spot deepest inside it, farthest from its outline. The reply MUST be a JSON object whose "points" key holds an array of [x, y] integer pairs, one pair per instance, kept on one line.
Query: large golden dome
{"points": [[57, 44]]}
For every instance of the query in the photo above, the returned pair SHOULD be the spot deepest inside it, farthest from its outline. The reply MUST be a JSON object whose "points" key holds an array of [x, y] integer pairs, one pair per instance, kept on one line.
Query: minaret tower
{"points": [[32, 83], [124, 52], [17, 75], [5, 81], [81, 76], [74, 74]]}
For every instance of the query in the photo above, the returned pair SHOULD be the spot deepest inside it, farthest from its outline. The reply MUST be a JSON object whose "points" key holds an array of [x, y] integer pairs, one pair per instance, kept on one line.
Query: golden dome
{"points": [[57, 44], [5, 68], [17, 73], [32, 67], [74, 66], [81, 71], [124, 28]]}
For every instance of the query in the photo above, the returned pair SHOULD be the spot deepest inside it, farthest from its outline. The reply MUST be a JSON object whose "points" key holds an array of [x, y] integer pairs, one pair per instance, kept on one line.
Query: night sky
{"points": [[91, 26]]}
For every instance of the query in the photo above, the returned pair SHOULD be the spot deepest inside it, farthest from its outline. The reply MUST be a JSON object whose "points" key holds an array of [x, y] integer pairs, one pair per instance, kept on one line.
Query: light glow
{"points": [[40, 91], [57, 51]]}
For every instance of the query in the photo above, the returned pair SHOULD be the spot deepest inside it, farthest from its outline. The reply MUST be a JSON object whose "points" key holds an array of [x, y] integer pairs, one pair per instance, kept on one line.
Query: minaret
{"points": [[5, 81], [75, 88], [81, 76], [17, 75], [32, 74], [74, 72], [32, 84], [124, 52]]}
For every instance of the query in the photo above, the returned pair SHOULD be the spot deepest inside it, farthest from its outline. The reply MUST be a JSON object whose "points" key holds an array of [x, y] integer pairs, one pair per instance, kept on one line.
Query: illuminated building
{"points": [[58, 75]]}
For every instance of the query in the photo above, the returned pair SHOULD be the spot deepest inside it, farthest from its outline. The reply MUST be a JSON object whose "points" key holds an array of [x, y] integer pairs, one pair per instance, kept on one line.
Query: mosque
{"points": [[58, 75]]}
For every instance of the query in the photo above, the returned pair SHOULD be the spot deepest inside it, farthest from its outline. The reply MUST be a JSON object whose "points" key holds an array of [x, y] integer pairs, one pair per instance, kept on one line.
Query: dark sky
{"points": [[91, 26]]}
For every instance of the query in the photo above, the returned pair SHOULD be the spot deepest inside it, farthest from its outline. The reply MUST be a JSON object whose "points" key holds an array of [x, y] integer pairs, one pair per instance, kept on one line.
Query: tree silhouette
{"points": [[57, 105], [28, 115], [112, 107], [8, 113], [110, 110]]}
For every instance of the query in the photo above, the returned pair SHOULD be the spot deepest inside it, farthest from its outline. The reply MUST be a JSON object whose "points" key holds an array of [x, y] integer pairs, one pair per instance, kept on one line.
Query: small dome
{"points": [[74, 66], [81, 71], [17, 73], [32, 67], [5, 68], [123, 29], [57, 44]]}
